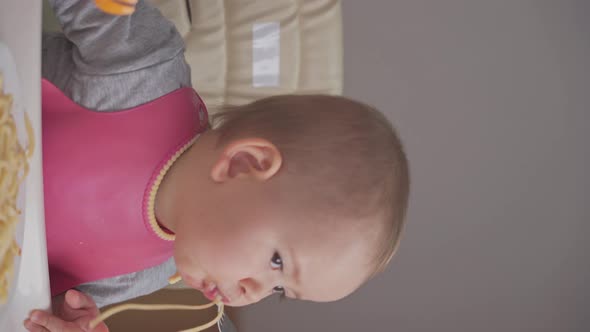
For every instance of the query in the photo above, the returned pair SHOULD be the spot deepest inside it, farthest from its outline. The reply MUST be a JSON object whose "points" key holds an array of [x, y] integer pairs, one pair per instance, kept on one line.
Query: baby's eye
{"points": [[276, 262]]}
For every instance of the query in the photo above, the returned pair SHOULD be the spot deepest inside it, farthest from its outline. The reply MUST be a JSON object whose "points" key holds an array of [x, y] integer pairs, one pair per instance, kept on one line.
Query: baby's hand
{"points": [[73, 313]]}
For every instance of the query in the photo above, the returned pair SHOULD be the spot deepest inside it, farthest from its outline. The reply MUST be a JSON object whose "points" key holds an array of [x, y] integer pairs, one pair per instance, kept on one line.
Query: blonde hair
{"points": [[345, 156]]}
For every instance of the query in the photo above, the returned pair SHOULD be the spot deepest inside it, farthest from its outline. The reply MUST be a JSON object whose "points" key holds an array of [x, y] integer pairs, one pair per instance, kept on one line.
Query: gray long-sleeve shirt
{"points": [[108, 63]]}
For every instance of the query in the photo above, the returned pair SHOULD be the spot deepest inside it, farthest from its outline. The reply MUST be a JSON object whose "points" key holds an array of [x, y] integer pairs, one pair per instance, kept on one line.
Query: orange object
{"points": [[116, 7]]}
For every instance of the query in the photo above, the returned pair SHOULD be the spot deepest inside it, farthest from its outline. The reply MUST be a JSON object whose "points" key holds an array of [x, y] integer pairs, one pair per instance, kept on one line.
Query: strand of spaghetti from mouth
{"points": [[175, 278]]}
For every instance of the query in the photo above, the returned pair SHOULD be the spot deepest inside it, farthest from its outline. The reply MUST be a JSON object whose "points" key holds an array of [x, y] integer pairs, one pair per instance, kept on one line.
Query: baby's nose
{"points": [[252, 290]]}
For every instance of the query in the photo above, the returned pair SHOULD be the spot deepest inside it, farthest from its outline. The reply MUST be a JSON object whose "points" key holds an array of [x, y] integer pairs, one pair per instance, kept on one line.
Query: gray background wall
{"points": [[492, 99]]}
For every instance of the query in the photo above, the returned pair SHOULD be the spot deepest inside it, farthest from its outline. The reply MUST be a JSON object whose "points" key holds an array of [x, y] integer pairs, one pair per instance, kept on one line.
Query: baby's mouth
{"points": [[209, 290], [213, 293]]}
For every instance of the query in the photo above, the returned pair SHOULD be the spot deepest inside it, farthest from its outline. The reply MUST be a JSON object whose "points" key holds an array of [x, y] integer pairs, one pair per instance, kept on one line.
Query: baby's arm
{"points": [[108, 62], [107, 44]]}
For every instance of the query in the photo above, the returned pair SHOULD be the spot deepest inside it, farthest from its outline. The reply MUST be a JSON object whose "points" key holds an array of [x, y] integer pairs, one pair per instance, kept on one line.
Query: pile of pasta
{"points": [[14, 167]]}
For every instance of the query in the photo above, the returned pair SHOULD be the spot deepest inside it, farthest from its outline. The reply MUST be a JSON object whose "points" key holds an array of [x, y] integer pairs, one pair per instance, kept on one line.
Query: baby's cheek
{"points": [[225, 257], [222, 252], [203, 256], [232, 260]]}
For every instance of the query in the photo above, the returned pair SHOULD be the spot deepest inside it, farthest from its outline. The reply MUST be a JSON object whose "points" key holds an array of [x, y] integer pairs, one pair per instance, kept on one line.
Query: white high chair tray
{"points": [[20, 63]]}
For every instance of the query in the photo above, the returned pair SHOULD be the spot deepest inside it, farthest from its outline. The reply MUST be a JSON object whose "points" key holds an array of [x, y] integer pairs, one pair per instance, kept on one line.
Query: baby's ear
{"points": [[251, 157]]}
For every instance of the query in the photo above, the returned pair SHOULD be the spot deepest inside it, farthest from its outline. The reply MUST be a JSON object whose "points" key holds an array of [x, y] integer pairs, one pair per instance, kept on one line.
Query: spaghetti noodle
{"points": [[173, 279]]}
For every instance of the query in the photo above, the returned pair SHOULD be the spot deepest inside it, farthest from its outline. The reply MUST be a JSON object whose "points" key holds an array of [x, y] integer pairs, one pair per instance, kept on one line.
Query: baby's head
{"points": [[303, 195]]}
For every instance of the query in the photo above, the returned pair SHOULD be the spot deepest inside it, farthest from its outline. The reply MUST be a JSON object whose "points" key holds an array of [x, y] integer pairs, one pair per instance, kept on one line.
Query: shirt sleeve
{"points": [[129, 286], [106, 62], [107, 44]]}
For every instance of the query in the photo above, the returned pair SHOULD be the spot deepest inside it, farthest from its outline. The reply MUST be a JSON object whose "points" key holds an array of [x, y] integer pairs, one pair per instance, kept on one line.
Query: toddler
{"points": [[304, 196]]}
